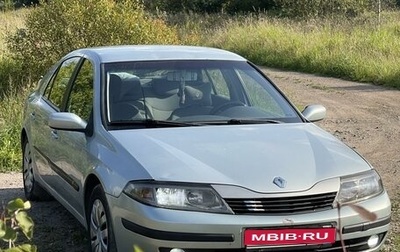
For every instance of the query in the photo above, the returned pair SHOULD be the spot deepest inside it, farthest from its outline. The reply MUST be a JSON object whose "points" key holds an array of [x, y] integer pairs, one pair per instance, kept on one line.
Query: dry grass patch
{"points": [[10, 21]]}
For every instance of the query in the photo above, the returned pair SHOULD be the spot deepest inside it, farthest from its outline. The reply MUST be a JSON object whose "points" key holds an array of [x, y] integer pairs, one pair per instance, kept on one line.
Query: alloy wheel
{"points": [[98, 227], [28, 170]]}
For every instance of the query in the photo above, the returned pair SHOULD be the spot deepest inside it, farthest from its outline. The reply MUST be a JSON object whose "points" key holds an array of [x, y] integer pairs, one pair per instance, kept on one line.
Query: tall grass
{"points": [[350, 49], [11, 100], [9, 69], [9, 21], [11, 109]]}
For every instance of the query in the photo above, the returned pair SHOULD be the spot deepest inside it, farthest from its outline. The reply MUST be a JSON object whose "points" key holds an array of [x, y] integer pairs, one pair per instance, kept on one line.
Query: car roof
{"points": [[126, 53]]}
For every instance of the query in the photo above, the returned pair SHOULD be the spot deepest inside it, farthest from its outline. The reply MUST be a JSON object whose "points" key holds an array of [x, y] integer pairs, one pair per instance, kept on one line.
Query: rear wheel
{"points": [[33, 191], [101, 234]]}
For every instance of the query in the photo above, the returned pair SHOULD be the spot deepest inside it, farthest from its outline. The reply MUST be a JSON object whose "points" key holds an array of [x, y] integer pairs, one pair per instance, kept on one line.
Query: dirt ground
{"points": [[364, 116]]}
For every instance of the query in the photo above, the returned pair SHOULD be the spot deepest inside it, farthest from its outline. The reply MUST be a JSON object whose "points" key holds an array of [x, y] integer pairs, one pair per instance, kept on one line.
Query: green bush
{"points": [[59, 26], [9, 71]]}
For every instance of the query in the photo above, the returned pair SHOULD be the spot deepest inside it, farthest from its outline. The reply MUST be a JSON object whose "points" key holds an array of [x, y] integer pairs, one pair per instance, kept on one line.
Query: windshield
{"points": [[208, 92]]}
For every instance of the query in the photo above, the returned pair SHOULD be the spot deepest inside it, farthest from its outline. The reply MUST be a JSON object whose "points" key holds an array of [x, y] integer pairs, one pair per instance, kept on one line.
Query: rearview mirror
{"points": [[185, 75]]}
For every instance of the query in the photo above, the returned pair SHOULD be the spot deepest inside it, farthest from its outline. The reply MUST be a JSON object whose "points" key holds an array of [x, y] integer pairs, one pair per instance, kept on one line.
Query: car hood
{"points": [[249, 156]]}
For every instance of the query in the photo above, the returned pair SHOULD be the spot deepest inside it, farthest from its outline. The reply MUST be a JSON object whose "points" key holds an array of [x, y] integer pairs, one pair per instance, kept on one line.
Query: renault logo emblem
{"points": [[280, 182]]}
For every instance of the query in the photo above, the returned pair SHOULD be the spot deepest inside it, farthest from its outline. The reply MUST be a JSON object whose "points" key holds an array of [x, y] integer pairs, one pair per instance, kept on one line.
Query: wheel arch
{"points": [[24, 137], [91, 182]]}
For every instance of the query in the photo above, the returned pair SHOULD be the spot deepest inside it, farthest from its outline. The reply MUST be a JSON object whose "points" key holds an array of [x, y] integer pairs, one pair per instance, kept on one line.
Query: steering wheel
{"points": [[225, 106]]}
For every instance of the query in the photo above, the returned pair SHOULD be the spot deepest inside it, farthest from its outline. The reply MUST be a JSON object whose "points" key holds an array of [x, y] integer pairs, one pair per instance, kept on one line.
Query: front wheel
{"points": [[101, 234], [33, 191]]}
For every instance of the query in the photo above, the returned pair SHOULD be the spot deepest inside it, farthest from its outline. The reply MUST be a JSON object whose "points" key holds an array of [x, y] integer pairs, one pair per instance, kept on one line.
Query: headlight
{"points": [[359, 187], [177, 196]]}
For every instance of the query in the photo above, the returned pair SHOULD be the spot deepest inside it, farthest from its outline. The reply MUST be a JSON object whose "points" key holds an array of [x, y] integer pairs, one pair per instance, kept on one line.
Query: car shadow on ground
{"points": [[55, 228]]}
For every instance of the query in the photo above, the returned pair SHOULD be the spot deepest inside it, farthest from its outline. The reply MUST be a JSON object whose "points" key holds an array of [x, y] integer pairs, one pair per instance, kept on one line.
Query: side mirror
{"points": [[67, 121], [314, 113]]}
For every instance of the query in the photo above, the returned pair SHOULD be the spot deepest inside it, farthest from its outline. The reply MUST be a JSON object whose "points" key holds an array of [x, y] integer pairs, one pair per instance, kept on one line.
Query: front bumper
{"points": [[158, 229]]}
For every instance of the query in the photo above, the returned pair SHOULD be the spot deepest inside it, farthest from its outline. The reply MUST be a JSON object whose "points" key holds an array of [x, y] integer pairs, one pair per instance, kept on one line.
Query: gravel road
{"points": [[364, 116]]}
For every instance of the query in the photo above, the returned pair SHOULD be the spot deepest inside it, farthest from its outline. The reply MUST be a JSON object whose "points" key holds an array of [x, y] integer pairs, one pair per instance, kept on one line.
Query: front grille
{"points": [[283, 205]]}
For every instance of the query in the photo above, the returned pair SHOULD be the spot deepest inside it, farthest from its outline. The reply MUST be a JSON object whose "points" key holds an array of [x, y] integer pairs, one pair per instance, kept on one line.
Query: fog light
{"points": [[373, 241], [181, 250]]}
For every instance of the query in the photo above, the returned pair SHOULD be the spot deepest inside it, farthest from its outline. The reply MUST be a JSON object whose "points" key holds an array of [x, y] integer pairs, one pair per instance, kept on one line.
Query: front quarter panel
{"points": [[27, 112], [116, 167]]}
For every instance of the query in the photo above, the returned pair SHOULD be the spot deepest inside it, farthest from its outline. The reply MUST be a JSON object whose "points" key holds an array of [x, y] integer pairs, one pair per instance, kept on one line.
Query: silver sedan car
{"points": [[184, 149]]}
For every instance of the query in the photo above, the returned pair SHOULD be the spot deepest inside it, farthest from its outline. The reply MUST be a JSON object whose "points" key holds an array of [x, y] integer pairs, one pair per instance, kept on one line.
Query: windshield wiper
{"points": [[151, 123], [234, 121], [252, 121]]}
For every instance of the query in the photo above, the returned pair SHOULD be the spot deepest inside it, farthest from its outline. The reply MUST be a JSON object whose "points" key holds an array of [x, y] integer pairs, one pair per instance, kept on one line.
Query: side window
{"points": [[56, 89], [80, 100], [43, 82], [218, 80]]}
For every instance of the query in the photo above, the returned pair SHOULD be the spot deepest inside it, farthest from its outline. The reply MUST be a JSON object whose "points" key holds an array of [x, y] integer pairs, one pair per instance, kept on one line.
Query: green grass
{"points": [[11, 103], [11, 107], [10, 20], [354, 50]]}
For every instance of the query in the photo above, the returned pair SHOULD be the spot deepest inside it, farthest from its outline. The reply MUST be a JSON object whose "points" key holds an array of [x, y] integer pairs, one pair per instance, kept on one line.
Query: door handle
{"points": [[33, 115], [54, 134]]}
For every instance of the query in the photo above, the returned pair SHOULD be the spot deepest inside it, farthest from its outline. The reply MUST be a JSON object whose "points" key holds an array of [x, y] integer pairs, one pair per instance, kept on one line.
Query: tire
{"points": [[33, 191], [100, 230]]}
